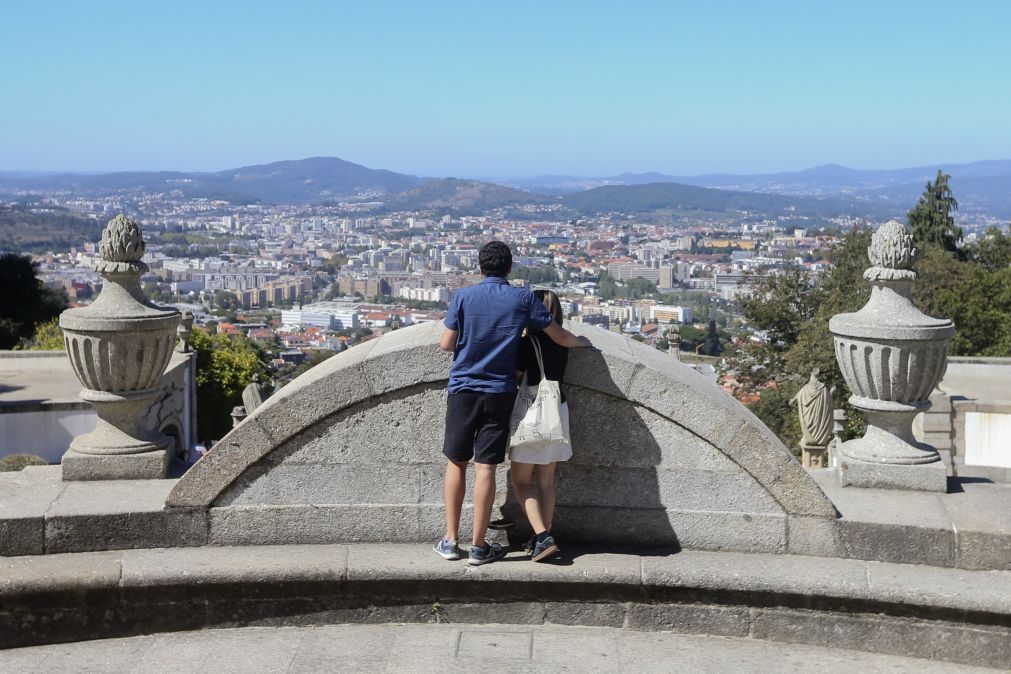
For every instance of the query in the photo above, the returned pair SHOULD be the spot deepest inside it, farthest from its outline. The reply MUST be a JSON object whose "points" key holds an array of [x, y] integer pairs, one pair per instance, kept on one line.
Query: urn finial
{"points": [[122, 246], [891, 253]]}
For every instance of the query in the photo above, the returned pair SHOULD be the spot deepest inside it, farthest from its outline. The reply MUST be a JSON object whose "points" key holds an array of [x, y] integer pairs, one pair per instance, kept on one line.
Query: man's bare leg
{"points": [[484, 498], [453, 488]]}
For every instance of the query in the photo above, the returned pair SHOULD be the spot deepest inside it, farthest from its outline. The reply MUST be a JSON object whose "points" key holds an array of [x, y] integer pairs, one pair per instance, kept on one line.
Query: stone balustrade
{"points": [[351, 451]]}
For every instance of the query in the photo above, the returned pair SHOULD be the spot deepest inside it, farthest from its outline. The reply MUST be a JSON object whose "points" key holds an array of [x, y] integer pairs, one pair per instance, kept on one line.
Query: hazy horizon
{"points": [[478, 176], [511, 91]]}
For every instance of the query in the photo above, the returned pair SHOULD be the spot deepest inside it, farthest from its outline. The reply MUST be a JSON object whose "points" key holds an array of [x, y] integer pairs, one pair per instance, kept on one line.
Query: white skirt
{"points": [[561, 451]]}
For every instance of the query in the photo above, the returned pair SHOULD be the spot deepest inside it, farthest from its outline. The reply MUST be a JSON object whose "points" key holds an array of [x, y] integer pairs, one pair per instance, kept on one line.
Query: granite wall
{"points": [[351, 452]]}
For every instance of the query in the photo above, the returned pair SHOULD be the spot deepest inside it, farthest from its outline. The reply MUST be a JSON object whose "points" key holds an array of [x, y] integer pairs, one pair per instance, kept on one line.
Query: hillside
{"points": [[826, 178], [462, 197], [297, 181], [675, 196], [37, 230], [982, 187]]}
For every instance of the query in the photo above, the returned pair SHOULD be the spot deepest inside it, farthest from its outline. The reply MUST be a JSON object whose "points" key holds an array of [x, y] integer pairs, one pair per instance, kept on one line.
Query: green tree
{"points": [[779, 304], [333, 292], [992, 251], [535, 274], [24, 302], [691, 337], [634, 288], [225, 366], [931, 218], [971, 288], [712, 346], [773, 407], [48, 337], [841, 289], [225, 302], [315, 358], [795, 316]]}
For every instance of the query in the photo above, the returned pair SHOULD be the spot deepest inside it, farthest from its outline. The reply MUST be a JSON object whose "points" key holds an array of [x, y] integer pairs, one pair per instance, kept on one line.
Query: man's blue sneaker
{"points": [[446, 549], [489, 553]]}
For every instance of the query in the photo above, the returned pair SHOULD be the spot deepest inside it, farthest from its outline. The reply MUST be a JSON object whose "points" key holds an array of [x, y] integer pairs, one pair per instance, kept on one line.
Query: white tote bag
{"points": [[537, 415]]}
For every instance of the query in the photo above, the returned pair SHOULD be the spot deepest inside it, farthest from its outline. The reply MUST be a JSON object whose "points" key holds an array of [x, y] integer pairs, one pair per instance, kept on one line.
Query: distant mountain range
{"points": [[979, 187], [826, 191], [298, 181], [670, 196]]}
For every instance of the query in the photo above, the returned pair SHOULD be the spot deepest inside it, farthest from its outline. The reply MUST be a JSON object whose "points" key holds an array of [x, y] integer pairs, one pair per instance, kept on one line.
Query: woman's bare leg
{"points": [[521, 475], [546, 493]]}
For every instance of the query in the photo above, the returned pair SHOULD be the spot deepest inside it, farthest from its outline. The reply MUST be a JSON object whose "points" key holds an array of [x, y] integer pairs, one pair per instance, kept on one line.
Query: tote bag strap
{"points": [[537, 353]]}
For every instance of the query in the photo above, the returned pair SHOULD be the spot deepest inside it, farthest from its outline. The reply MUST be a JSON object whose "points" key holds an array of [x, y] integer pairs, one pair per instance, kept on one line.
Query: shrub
{"points": [[15, 462]]}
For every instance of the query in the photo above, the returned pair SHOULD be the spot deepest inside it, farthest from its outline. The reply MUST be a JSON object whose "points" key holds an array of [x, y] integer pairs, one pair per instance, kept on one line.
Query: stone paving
{"points": [[449, 648]]}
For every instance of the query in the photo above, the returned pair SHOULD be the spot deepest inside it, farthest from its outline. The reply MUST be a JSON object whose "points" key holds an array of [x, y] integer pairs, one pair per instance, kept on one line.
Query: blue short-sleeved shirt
{"points": [[490, 318]]}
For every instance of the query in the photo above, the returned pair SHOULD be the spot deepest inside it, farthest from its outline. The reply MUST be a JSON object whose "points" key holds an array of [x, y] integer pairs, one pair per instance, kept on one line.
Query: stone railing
{"points": [[350, 451]]}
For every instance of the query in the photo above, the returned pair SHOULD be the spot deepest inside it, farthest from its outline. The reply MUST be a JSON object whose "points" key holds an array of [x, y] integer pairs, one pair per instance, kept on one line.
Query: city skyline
{"points": [[578, 89]]}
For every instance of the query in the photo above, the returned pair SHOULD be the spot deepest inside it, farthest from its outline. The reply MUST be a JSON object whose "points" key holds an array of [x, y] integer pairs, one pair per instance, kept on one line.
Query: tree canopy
{"points": [[535, 273], [48, 337], [631, 289], [24, 302], [931, 219], [970, 285], [794, 314], [225, 366]]}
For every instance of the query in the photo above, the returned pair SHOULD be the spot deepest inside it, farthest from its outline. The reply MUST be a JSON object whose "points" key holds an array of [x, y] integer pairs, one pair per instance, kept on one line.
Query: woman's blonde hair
{"points": [[553, 304]]}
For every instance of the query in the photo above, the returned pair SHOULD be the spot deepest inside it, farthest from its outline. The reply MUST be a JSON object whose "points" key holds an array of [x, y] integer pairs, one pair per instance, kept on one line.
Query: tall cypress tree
{"points": [[931, 218], [712, 346]]}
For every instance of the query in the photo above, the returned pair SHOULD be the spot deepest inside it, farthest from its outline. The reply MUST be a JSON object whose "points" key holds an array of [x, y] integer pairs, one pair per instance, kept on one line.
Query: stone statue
{"points": [[183, 332], [254, 394], [814, 405], [673, 336]]}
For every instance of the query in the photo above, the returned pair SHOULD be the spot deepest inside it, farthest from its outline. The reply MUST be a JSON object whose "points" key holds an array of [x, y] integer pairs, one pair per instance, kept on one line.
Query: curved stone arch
{"points": [[619, 367]]}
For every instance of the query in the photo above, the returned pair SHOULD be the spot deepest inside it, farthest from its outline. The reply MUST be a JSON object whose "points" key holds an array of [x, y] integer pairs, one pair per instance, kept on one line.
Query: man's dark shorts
{"points": [[477, 426]]}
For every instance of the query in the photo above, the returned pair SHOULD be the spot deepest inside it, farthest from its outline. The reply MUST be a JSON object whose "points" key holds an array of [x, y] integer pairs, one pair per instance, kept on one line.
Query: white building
{"points": [[341, 315], [665, 313], [306, 319], [425, 294]]}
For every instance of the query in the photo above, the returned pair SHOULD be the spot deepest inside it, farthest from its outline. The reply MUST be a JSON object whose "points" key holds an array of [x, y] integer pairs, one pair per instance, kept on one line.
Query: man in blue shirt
{"points": [[483, 329]]}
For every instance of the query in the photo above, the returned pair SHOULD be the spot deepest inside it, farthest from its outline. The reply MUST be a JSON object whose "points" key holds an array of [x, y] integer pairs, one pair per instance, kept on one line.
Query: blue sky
{"points": [[504, 88]]}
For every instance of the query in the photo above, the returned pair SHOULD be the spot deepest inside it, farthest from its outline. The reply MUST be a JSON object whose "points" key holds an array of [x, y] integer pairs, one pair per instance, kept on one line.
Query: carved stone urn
{"points": [[892, 356], [119, 347]]}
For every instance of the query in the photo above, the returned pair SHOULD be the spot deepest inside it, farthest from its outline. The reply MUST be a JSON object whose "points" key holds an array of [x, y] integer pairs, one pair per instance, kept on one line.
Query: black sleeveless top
{"points": [[555, 359]]}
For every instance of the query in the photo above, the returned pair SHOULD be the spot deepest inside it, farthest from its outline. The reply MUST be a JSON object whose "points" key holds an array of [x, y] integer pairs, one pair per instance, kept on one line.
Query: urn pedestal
{"points": [[891, 356], [119, 347]]}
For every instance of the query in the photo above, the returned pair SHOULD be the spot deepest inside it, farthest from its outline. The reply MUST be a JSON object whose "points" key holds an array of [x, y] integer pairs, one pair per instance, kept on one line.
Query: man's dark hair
{"points": [[495, 259]]}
